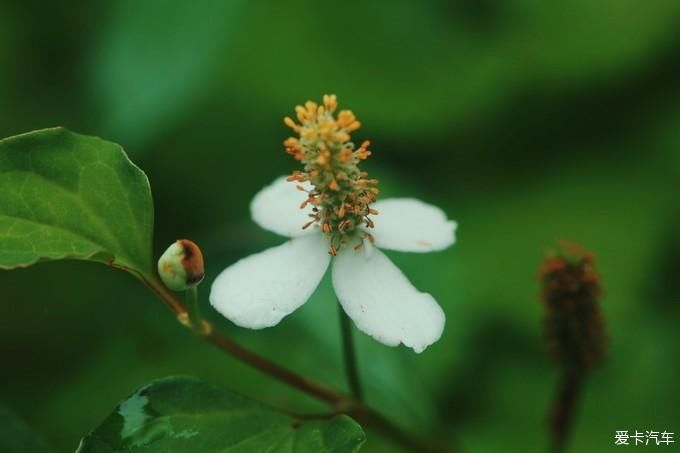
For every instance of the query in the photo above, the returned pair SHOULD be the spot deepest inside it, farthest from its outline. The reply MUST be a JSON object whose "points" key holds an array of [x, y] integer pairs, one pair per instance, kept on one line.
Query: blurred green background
{"points": [[527, 121]]}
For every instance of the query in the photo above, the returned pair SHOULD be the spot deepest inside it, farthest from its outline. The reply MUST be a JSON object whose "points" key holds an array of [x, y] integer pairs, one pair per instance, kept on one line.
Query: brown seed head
{"points": [[574, 327]]}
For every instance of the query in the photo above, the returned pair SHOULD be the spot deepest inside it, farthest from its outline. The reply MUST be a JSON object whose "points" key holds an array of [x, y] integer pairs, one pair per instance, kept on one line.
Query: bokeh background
{"points": [[527, 121]]}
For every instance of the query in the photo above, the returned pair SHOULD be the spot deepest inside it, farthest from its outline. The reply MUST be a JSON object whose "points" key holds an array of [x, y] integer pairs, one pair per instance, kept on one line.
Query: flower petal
{"points": [[277, 208], [409, 225], [383, 303], [259, 290]]}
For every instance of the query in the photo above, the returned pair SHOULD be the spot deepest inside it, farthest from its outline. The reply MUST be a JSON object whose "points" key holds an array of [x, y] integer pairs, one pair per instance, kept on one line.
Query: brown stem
{"points": [[564, 408], [208, 332], [168, 297], [370, 417], [338, 401], [291, 378]]}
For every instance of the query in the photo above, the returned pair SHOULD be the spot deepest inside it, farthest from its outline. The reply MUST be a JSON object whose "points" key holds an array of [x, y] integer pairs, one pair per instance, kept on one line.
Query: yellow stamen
{"points": [[342, 193]]}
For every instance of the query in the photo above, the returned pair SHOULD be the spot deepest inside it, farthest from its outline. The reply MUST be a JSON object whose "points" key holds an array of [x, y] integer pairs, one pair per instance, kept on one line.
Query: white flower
{"points": [[259, 290]]}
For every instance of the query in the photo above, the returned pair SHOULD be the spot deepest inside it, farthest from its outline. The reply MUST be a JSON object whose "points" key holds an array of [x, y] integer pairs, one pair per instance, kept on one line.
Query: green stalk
{"points": [[350, 355], [192, 308]]}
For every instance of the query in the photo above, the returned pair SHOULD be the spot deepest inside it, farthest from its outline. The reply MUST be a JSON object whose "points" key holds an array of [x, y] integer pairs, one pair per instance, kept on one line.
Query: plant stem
{"points": [[193, 309], [226, 344], [370, 417], [337, 400], [563, 409], [169, 298], [282, 374], [349, 355]]}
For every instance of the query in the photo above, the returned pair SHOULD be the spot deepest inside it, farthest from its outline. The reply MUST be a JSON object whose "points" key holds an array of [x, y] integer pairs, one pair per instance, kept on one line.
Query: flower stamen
{"points": [[342, 193]]}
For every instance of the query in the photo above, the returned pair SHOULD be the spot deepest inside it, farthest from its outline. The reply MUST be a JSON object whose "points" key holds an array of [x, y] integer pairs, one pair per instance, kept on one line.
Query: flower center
{"points": [[342, 193]]}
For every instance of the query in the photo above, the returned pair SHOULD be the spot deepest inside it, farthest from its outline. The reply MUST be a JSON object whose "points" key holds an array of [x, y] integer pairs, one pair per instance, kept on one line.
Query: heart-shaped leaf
{"points": [[69, 196], [184, 414]]}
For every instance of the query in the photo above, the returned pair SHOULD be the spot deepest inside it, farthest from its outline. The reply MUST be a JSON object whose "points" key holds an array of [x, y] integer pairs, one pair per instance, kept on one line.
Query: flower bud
{"points": [[181, 266]]}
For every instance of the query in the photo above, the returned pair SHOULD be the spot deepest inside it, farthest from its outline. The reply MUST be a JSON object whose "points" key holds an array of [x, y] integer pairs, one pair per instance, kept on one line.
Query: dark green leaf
{"points": [[69, 196], [184, 414]]}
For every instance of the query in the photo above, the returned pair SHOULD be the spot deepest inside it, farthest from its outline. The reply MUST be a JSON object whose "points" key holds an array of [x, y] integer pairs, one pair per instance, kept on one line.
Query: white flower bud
{"points": [[181, 265]]}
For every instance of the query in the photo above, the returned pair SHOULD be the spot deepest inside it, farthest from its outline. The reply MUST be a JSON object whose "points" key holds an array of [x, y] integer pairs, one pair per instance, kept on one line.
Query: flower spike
{"points": [[342, 192]]}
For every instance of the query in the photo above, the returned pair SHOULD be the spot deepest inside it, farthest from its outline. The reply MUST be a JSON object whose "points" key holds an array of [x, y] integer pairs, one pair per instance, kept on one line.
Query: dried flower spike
{"points": [[574, 330], [574, 327]]}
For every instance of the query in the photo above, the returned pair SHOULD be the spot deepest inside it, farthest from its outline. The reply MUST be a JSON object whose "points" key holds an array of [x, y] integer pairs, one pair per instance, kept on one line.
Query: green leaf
{"points": [[69, 196], [185, 414], [16, 436]]}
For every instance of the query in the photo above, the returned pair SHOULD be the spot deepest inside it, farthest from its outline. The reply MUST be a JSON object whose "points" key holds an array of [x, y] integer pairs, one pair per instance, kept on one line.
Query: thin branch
{"points": [[564, 407], [365, 414], [339, 402], [226, 344], [349, 355], [168, 297], [291, 378]]}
